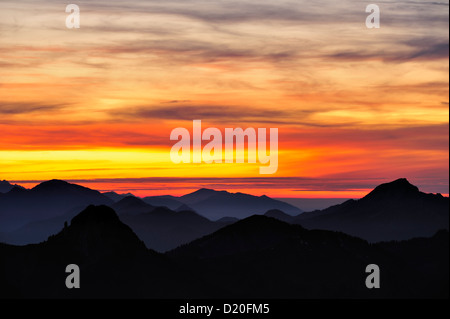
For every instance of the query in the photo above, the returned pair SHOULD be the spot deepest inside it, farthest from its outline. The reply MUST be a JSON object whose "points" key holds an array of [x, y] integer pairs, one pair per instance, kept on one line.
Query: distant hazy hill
{"points": [[278, 214], [131, 205], [163, 229], [5, 186], [168, 201], [160, 228], [29, 214], [214, 204], [46, 200], [392, 211], [38, 231], [115, 197], [217, 204], [42, 211]]}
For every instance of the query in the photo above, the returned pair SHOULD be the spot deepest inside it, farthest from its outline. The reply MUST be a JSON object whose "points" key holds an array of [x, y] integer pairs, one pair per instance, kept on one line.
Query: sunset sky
{"points": [[354, 107]]}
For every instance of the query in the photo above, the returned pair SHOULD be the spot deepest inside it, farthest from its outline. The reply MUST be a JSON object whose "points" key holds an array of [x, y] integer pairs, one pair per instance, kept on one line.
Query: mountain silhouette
{"points": [[217, 204], [258, 257], [131, 205], [38, 231], [168, 201], [278, 214], [46, 200], [115, 197], [5, 186], [113, 261], [261, 257], [97, 230], [259, 232], [184, 207], [163, 229], [160, 228], [400, 188], [392, 211], [200, 195]]}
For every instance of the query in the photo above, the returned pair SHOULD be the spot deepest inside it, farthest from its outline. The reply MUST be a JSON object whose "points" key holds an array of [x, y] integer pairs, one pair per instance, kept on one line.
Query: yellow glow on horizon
{"points": [[100, 101], [105, 163]]}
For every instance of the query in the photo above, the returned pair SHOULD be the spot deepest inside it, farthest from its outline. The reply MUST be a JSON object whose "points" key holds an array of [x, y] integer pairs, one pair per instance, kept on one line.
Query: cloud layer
{"points": [[346, 99]]}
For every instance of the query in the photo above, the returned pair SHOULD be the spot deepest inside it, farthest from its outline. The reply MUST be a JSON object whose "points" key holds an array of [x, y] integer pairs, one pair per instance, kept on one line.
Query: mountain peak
{"points": [[402, 182], [51, 184], [400, 187], [17, 190], [207, 192], [258, 224], [199, 195], [116, 196], [55, 182], [254, 233], [63, 188], [204, 191], [6, 186], [131, 205], [98, 231], [95, 214], [392, 211], [215, 204]]}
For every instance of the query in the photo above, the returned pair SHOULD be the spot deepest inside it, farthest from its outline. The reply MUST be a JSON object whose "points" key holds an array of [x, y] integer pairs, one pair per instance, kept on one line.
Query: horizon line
{"points": [[275, 187]]}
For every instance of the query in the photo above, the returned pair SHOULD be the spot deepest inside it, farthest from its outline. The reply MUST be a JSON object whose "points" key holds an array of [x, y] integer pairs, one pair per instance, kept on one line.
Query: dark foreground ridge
{"points": [[113, 261], [253, 258]]}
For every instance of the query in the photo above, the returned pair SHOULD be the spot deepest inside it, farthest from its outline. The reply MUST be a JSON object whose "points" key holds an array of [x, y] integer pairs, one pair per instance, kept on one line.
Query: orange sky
{"points": [[354, 107]]}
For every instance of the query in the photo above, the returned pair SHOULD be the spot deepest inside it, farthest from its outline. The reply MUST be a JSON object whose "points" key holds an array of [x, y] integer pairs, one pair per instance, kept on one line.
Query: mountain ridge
{"points": [[46, 200], [6, 186], [392, 211], [113, 262], [217, 204], [258, 257]]}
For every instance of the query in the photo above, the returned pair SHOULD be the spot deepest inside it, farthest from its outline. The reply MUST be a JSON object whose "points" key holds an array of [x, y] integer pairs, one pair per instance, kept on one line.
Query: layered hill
{"points": [[258, 257], [392, 211], [113, 261], [217, 204], [49, 199]]}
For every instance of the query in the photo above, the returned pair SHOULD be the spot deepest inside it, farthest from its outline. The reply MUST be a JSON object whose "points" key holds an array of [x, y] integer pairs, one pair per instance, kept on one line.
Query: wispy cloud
{"points": [[353, 182], [344, 97], [27, 108], [416, 49], [222, 114]]}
